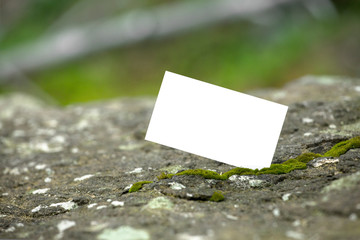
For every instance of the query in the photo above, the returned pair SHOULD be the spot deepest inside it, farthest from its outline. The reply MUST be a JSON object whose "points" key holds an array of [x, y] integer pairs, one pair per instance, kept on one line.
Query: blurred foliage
{"points": [[239, 55], [34, 21]]}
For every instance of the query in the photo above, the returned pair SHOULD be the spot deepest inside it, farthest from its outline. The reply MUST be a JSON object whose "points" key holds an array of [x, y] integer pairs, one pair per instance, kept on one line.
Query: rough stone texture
{"points": [[65, 173]]}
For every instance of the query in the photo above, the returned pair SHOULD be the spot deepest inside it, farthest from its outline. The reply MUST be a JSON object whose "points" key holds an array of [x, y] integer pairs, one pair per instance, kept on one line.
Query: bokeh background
{"points": [[73, 51]]}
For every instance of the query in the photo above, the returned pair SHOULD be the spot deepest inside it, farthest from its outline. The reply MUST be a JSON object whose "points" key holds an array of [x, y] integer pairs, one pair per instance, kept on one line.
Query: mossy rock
{"points": [[283, 168]]}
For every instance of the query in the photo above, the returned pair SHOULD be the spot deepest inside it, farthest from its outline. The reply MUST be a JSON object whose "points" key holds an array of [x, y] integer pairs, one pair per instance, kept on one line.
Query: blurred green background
{"points": [[277, 42]]}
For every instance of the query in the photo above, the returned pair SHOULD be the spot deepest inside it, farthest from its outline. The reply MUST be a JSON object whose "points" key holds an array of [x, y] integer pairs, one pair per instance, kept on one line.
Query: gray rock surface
{"points": [[65, 173]]}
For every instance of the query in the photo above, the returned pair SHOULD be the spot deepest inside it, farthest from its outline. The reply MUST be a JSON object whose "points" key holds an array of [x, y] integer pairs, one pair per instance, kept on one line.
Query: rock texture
{"points": [[66, 173]]}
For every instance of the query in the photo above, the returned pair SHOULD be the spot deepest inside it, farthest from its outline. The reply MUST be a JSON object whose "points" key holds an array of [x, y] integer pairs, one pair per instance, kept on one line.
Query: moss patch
{"points": [[165, 176], [217, 197], [343, 147], [239, 171], [137, 186], [204, 173], [285, 167]]}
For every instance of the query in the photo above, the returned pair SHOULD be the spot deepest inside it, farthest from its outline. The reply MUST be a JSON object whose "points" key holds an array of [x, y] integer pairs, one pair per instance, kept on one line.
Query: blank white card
{"points": [[215, 122]]}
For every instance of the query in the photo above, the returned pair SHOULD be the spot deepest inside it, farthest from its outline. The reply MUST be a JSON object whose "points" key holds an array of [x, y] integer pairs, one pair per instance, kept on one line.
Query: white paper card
{"points": [[215, 122]]}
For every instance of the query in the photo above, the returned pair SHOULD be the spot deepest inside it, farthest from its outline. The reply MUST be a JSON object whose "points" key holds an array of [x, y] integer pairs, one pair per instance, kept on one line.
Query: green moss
{"points": [[306, 157], [343, 147], [217, 197], [204, 173], [201, 172], [282, 168], [239, 171], [290, 165], [165, 176], [137, 186]]}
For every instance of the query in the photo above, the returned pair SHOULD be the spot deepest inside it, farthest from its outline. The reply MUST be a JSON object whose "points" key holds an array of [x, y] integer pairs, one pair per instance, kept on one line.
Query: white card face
{"points": [[215, 122]]}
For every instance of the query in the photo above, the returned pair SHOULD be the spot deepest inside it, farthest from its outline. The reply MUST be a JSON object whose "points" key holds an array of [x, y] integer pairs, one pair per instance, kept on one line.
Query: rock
{"points": [[344, 183], [342, 196], [66, 173], [176, 186], [317, 162], [117, 203], [286, 196], [159, 203], [247, 181], [81, 200], [124, 232], [62, 226]]}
